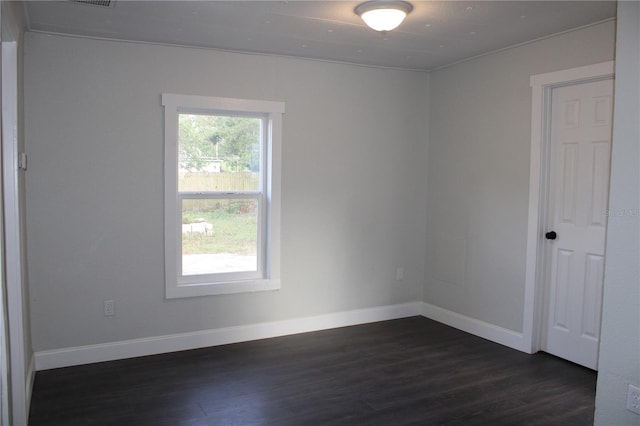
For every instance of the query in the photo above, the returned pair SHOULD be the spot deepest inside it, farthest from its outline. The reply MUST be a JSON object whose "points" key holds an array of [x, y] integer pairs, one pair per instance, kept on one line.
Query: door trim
{"points": [[13, 241], [541, 87]]}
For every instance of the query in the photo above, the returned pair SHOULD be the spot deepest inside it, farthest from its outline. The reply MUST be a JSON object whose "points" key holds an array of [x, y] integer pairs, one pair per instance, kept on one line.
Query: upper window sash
{"points": [[265, 167]]}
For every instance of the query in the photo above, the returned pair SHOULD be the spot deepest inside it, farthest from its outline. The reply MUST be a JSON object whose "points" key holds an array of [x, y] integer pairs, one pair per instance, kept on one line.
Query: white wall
{"points": [[619, 363], [478, 173], [353, 202]]}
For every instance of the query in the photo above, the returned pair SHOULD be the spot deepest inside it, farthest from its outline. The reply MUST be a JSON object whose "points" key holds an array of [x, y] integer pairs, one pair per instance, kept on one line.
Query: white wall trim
{"points": [[79, 355], [13, 240], [266, 276], [572, 76], [31, 375], [541, 86], [491, 332]]}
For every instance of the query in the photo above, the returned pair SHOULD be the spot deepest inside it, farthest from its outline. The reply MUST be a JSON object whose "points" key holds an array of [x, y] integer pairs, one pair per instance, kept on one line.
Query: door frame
{"points": [[5, 418], [14, 261], [536, 260]]}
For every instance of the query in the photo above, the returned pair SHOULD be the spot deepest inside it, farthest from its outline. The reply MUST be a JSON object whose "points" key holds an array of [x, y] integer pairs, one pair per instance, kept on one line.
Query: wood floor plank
{"points": [[411, 371]]}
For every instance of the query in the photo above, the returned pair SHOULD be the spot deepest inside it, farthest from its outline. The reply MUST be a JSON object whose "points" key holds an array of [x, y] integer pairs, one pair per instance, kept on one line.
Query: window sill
{"points": [[212, 289]]}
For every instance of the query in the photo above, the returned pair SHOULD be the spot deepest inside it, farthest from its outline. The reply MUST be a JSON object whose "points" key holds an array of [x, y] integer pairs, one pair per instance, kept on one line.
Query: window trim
{"points": [[175, 285]]}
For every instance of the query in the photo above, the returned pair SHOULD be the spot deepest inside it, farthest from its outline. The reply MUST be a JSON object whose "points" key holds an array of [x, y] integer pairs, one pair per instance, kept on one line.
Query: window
{"points": [[222, 200]]}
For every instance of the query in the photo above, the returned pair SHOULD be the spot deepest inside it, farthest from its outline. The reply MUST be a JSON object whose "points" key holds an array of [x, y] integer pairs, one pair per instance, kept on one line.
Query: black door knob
{"points": [[551, 235]]}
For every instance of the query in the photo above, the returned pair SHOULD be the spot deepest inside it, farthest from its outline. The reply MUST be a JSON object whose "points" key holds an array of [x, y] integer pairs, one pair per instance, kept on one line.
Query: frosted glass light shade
{"points": [[383, 15]]}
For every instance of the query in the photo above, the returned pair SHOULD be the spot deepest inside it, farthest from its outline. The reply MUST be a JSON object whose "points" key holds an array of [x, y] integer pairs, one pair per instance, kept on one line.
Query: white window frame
{"points": [[268, 275]]}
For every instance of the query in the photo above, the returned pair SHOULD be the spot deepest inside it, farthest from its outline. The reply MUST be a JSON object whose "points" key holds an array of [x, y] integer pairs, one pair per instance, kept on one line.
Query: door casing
{"points": [[534, 318]]}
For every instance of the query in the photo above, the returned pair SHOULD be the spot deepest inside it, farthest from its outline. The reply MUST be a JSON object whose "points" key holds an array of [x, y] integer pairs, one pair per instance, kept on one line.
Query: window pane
{"points": [[219, 153], [219, 235]]}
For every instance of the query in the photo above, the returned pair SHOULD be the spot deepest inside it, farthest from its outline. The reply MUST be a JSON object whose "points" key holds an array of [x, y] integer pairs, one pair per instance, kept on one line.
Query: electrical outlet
{"points": [[109, 308], [399, 273], [633, 399]]}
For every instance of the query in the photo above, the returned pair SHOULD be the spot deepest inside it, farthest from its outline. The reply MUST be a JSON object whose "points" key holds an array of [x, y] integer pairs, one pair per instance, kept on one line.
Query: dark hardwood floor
{"points": [[412, 371]]}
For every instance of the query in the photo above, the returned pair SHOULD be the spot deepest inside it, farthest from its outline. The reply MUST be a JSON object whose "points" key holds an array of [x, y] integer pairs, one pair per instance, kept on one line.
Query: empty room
{"points": [[299, 212]]}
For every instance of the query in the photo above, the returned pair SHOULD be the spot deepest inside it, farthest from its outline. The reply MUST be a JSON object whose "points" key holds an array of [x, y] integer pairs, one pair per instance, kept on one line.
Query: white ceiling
{"points": [[435, 34]]}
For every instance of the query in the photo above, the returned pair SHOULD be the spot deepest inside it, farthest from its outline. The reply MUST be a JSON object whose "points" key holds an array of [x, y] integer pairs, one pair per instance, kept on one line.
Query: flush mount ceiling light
{"points": [[382, 15]]}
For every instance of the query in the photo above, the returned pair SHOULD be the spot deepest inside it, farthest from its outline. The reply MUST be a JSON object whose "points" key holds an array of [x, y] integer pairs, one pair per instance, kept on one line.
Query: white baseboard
{"points": [[476, 327], [79, 355]]}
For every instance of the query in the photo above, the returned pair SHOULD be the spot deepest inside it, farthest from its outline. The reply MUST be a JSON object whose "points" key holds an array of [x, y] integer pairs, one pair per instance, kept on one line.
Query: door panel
{"points": [[579, 177], [592, 296]]}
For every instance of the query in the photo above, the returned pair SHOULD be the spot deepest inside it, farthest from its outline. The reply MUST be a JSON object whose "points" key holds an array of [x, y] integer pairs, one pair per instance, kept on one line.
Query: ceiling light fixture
{"points": [[383, 15]]}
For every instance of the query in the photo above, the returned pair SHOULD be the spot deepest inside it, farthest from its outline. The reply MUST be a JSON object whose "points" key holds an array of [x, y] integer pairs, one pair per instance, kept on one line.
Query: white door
{"points": [[579, 183]]}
